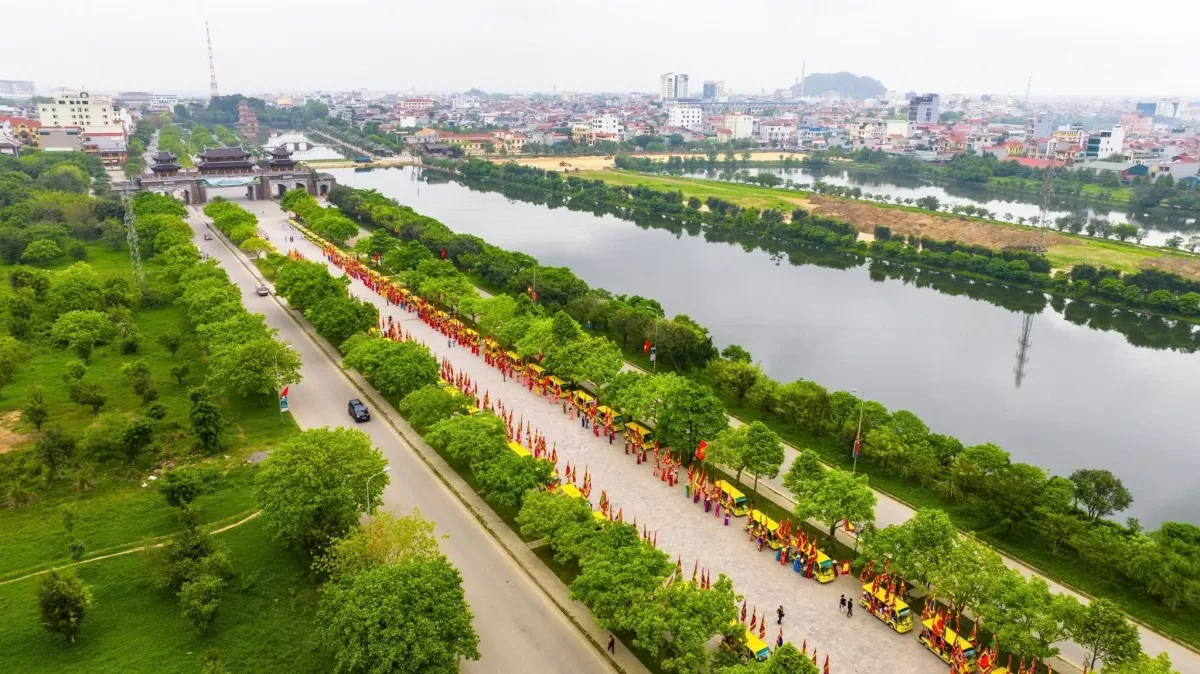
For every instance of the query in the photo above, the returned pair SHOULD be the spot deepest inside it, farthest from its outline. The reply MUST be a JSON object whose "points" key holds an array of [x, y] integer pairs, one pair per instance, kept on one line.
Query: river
{"points": [[1159, 224], [315, 152], [1088, 397]]}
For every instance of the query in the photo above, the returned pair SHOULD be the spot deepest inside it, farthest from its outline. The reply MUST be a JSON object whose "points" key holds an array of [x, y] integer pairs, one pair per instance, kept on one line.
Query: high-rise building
{"points": [[923, 109], [672, 86], [82, 110], [714, 90], [1038, 126]]}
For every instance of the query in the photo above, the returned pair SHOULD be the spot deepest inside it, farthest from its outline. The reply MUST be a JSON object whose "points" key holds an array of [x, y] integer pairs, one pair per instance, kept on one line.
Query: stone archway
{"points": [[280, 188], [323, 190], [301, 186]]}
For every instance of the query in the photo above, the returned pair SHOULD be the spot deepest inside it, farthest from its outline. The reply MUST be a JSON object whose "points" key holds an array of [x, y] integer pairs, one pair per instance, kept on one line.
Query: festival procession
{"points": [[789, 546]]}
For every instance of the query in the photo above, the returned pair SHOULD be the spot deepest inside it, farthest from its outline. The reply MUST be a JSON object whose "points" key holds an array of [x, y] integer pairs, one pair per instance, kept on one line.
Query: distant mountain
{"points": [[846, 84]]}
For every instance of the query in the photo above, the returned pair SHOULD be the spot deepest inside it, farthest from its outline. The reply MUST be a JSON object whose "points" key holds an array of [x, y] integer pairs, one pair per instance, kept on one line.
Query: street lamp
{"points": [[386, 469], [858, 433]]}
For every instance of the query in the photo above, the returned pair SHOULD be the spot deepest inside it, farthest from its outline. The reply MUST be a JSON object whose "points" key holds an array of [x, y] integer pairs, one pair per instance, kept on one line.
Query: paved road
{"points": [[721, 549], [520, 630]]}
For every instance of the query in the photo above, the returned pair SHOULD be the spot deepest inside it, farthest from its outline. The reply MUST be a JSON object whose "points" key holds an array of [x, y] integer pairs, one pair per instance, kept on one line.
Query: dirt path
{"points": [[127, 551]]}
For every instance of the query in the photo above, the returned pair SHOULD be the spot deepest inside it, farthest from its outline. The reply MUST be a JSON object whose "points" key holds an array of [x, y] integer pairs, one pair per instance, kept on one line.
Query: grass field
{"points": [[266, 614], [1065, 250], [746, 195], [266, 622]]}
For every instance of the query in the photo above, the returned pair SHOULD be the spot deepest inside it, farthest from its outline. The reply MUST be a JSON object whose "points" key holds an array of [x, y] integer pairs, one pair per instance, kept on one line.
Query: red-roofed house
{"points": [[21, 129]]}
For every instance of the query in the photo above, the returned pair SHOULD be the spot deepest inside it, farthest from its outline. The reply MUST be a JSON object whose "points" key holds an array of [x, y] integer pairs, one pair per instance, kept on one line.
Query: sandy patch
{"points": [[596, 163], [940, 228], [1184, 266], [9, 438]]}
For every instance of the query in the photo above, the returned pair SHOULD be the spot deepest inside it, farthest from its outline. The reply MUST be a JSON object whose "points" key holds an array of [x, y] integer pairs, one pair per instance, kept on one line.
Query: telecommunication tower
{"points": [[212, 69], [1044, 214]]}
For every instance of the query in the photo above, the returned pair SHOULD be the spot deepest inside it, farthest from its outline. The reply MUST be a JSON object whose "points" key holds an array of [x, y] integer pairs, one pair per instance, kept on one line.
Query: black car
{"points": [[359, 411]]}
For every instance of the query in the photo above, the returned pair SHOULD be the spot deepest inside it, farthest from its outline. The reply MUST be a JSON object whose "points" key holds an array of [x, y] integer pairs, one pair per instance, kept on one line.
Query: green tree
{"points": [[836, 497], [689, 413], [968, 573], [731, 449], [383, 540], [204, 415], [258, 367], [764, 451], [1103, 632], [408, 618], [787, 659], [199, 600], [565, 522], [1026, 616], [472, 439], [180, 486], [255, 246], [89, 394], [734, 377], [1142, 664], [75, 326], [337, 318], [35, 410], [171, 341], [677, 622], [408, 368], [805, 473], [313, 488], [618, 575], [915, 547], [63, 602], [428, 405], [304, 283], [41, 251], [1101, 493], [735, 352], [506, 478]]}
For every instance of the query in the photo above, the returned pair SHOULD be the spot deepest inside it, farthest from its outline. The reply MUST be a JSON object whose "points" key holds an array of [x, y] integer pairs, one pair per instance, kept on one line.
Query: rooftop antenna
{"points": [[212, 69]]}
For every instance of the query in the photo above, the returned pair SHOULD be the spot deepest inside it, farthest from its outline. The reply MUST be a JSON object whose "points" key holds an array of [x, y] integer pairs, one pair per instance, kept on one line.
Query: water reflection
{"points": [[1161, 223], [1086, 399]]}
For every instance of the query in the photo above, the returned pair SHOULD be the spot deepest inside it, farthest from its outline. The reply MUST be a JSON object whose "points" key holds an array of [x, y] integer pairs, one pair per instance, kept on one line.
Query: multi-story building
{"points": [[1038, 126], [163, 101], [740, 126], [690, 117], [672, 86], [1106, 143], [776, 131], [416, 104], [24, 131], [606, 123], [924, 109], [1164, 108], [714, 90], [81, 110]]}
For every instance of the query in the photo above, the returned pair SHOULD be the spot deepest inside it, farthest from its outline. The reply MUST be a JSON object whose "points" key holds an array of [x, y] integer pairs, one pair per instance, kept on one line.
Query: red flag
{"points": [[443, 253], [284, 392], [646, 346], [826, 663], [743, 610], [700, 450]]}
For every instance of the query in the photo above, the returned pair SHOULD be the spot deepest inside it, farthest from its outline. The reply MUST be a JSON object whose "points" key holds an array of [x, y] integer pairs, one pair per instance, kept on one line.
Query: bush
{"points": [[63, 602]]}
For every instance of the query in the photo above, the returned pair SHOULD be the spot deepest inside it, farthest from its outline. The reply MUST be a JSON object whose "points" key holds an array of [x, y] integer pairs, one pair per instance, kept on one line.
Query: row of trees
{"points": [[329, 223]]}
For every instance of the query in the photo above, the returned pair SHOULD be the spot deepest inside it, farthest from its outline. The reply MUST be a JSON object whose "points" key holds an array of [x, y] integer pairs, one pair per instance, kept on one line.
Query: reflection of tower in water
{"points": [[1023, 344]]}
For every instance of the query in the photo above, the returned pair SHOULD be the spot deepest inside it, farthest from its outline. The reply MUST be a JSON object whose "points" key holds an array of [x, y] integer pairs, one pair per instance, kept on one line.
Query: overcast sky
{"points": [[1071, 47]]}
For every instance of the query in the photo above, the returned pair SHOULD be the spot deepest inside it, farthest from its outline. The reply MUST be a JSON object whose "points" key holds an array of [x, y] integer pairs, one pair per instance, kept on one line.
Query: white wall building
{"points": [[741, 126], [924, 109], [1104, 144], [606, 123], [690, 117], [672, 86], [90, 113], [163, 101]]}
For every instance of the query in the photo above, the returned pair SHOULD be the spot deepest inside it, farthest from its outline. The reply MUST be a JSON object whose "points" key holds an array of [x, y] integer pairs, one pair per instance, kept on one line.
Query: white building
{"points": [[924, 109], [90, 113], [672, 86], [1104, 144], [740, 126], [163, 101], [776, 132], [690, 117], [606, 123]]}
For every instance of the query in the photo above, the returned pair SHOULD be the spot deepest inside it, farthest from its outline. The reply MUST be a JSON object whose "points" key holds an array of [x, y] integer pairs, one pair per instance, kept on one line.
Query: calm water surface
{"points": [[1088, 400], [317, 151], [1159, 224]]}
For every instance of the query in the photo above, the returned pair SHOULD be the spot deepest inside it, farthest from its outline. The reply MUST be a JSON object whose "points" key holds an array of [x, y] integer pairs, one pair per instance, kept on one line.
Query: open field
{"points": [[265, 624], [597, 163], [1064, 250]]}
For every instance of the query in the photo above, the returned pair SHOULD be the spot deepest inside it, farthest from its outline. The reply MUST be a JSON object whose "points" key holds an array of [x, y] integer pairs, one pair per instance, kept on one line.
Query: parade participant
{"points": [[726, 518]]}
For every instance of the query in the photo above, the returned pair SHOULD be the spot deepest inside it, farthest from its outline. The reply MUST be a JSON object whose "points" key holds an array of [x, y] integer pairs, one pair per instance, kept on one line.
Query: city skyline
{"points": [[458, 45]]}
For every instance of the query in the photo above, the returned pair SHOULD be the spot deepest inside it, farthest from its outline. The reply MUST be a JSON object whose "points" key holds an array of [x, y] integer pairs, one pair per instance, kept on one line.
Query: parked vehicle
{"points": [[262, 290]]}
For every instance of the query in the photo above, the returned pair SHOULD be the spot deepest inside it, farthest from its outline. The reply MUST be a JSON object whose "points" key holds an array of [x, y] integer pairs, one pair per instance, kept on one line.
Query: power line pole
{"points": [[212, 69], [1044, 214], [1023, 344], [131, 236]]}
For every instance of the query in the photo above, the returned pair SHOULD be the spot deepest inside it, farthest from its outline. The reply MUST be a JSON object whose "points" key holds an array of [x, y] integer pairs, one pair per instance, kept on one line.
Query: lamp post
{"points": [[386, 469], [858, 433]]}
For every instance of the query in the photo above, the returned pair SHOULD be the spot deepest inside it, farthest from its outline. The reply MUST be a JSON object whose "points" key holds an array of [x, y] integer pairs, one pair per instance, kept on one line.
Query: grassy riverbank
{"points": [[1063, 249]]}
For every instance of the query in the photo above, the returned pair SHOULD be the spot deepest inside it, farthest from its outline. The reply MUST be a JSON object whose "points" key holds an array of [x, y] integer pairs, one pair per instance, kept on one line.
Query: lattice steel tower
{"points": [[131, 236], [212, 69]]}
